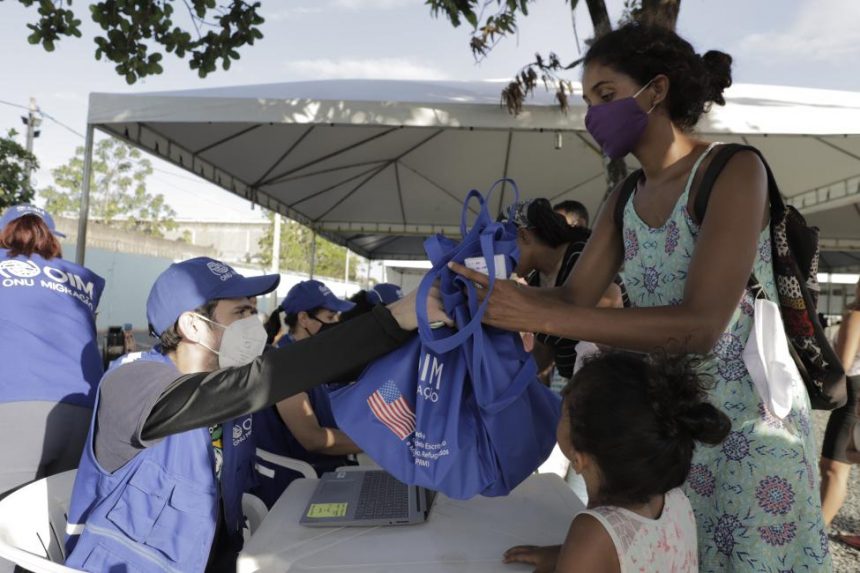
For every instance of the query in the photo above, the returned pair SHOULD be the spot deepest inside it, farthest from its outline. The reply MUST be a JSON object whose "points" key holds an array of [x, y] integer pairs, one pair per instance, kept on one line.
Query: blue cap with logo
{"points": [[17, 211], [308, 295], [190, 284], [384, 293]]}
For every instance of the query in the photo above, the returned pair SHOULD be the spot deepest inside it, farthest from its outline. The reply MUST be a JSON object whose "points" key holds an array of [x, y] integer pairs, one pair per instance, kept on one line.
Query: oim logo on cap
{"points": [[220, 270]]}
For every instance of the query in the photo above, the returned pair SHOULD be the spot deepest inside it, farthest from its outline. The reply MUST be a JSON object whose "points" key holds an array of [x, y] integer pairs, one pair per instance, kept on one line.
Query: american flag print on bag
{"points": [[391, 408]]}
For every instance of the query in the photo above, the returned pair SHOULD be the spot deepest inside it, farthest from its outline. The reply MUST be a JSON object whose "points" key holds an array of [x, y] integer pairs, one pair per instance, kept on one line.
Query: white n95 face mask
{"points": [[242, 342]]}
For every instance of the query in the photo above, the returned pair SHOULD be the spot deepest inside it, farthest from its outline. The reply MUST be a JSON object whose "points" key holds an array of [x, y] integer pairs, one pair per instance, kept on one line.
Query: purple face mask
{"points": [[618, 125]]}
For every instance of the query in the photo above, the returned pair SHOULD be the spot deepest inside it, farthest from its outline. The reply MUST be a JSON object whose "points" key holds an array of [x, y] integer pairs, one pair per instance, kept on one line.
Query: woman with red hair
{"points": [[48, 350]]}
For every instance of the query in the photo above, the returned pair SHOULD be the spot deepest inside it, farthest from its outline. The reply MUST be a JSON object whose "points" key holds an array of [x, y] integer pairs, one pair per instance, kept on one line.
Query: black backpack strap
{"points": [[723, 154], [628, 186], [718, 162]]}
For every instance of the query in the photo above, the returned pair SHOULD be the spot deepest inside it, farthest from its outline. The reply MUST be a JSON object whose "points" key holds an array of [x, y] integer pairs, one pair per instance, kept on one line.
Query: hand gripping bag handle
{"points": [[440, 260], [525, 375]]}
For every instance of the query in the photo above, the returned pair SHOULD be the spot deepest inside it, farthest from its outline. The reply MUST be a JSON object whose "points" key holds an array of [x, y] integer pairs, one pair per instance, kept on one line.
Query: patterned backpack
{"points": [[795, 268]]}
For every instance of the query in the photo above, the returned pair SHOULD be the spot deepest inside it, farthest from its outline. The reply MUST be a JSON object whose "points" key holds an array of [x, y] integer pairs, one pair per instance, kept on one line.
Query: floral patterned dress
{"points": [[755, 496]]}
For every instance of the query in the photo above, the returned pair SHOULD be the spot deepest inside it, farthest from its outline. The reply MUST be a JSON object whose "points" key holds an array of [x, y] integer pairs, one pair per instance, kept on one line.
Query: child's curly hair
{"points": [[639, 417]]}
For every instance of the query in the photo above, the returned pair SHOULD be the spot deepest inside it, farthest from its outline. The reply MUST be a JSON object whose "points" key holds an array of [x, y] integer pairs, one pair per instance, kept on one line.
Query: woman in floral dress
{"points": [[755, 496]]}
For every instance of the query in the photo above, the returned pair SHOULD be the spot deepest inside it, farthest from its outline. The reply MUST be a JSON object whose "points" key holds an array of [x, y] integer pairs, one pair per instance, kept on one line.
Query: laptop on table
{"points": [[365, 498]]}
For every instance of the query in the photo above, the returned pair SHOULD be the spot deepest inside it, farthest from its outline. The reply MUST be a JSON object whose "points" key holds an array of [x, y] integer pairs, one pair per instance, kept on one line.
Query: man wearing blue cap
{"points": [[171, 444], [302, 426], [365, 300], [384, 293]]}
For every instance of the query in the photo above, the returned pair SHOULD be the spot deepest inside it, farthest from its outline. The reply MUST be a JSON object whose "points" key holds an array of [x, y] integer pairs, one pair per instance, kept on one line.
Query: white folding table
{"points": [[459, 536]]}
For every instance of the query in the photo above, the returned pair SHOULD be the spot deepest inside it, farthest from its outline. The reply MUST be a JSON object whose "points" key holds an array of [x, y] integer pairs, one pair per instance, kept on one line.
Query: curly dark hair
{"points": [[643, 52], [639, 417]]}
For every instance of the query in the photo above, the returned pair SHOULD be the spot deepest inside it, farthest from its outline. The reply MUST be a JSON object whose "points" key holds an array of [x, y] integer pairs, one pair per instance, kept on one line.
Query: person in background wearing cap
{"points": [[48, 350], [365, 300], [302, 426], [171, 444]]}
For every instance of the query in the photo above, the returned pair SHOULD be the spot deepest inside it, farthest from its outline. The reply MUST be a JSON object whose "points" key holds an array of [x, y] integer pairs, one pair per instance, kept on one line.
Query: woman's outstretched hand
{"points": [[512, 304]]}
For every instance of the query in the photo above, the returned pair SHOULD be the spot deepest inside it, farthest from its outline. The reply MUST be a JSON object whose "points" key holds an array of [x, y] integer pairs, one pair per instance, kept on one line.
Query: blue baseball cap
{"points": [[18, 211], [308, 295], [384, 293], [190, 284]]}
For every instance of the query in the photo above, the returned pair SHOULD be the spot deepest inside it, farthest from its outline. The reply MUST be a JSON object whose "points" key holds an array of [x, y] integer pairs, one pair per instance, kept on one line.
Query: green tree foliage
{"points": [[489, 26], [118, 195], [493, 20], [137, 33], [296, 241], [15, 164]]}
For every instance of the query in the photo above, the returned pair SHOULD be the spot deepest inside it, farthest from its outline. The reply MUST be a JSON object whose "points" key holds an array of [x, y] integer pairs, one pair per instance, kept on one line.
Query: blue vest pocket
{"points": [[171, 517], [100, 559], [136, 511], [186, 523]]}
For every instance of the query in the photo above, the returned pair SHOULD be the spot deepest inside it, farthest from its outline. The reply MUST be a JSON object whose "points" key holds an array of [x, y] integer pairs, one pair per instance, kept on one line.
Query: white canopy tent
{"points": [[377, 165]]}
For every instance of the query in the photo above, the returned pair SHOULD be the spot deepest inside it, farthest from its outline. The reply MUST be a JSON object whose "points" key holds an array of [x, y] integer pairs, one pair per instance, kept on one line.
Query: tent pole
{"points": [[313, 254], [346, 275], [276, 255], [83, 216]]}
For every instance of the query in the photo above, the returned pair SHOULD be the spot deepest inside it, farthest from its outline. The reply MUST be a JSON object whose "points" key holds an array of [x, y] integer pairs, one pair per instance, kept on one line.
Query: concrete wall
{"points": [[231, 241], [129, 276], [130, 262], [107, 238]]}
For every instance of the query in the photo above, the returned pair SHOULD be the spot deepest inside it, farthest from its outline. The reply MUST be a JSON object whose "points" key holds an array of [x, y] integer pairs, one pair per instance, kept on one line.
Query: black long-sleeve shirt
{"points": [[144, 402]]}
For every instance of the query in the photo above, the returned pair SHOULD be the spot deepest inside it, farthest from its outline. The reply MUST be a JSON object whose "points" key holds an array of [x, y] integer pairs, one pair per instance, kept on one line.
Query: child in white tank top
{"points": [[629, 426]]}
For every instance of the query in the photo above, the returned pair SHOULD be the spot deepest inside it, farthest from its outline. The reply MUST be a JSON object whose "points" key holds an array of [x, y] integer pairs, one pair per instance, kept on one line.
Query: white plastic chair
{"points": [[255, 512], [304, 468], [33, 524]]}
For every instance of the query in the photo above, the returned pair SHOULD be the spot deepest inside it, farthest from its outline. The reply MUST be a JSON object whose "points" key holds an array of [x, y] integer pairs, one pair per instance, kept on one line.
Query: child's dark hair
{"points": [[639, 417], [643, 52], [550, 227]]}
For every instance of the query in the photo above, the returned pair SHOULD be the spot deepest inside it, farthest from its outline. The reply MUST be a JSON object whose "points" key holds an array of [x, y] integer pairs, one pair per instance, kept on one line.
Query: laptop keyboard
{"points": [[382, 497]]}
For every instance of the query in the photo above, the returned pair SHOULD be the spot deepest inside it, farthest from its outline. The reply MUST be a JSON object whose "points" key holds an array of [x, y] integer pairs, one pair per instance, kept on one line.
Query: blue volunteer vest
{"points": [[159, 511], [274, 437], [48, 344]]}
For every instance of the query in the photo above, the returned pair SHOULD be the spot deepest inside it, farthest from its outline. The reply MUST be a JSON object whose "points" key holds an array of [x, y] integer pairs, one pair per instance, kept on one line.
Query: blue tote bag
{"points": [[458, 410]]}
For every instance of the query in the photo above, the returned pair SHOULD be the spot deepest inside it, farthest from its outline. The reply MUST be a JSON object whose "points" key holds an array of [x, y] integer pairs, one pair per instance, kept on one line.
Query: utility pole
{"points": [[32, 122]]}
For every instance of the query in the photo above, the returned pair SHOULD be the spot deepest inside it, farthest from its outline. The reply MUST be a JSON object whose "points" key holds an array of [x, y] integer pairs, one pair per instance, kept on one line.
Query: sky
{"points": [[779, 42]]}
